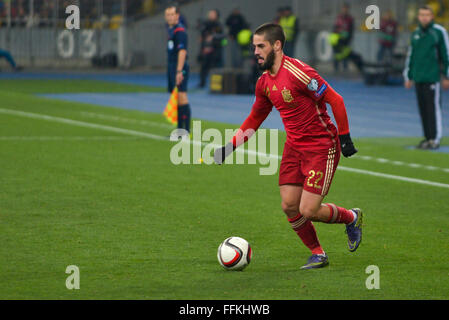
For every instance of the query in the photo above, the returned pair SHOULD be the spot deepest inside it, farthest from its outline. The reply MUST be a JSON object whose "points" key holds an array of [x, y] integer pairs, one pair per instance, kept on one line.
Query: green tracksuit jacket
{"points": [[428, 54]]}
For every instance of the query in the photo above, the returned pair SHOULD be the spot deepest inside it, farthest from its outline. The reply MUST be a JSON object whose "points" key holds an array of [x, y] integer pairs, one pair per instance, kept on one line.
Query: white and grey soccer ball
{"points": [[234, 253]]}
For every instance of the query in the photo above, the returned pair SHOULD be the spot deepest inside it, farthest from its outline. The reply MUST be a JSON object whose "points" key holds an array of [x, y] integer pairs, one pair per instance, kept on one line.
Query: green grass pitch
{"points": [[139, 227]]}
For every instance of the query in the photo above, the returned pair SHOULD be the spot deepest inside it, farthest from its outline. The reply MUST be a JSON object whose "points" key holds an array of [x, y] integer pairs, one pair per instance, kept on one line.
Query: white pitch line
{"points": [[161, 138], [395, 177], [66, 138], [126, 120], [401, 163], [82, 124]]}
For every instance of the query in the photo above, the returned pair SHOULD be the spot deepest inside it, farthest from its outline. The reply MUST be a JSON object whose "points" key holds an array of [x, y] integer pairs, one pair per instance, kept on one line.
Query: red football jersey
{"points": [[296, 91]]}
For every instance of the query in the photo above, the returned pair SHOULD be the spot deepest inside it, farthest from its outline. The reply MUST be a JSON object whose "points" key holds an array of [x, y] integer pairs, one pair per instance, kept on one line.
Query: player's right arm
{"points": [[261, 109]]}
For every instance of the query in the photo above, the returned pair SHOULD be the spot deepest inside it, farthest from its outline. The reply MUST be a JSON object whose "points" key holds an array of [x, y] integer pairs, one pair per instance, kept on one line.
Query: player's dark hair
{"points": [[173, 5], [272, 33], [425, 7]]}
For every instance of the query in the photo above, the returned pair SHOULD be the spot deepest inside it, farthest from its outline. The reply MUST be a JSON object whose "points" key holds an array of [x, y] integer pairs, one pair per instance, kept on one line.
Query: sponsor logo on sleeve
{"points": [[320, 90]]}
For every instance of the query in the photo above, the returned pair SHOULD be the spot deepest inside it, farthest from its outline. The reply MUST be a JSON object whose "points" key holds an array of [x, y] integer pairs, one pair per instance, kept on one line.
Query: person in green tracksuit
{"points": [[427, 58]]}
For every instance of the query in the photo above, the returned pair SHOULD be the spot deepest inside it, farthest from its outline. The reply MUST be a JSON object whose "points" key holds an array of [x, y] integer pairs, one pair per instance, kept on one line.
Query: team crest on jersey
{"points": [[287, 95]]}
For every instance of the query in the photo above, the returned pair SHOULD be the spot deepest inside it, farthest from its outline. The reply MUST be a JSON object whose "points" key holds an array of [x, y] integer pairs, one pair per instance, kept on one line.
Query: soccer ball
{"points": [[234, 253]]}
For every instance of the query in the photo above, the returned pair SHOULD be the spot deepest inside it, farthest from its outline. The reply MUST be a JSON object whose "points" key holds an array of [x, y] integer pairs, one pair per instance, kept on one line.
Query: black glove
{"points": [[347, 147], [221, 153]]}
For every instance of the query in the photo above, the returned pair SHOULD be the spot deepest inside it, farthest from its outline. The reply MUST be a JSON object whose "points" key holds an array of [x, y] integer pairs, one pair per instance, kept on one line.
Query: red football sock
{"points": [[306, 231], [339, 214]]}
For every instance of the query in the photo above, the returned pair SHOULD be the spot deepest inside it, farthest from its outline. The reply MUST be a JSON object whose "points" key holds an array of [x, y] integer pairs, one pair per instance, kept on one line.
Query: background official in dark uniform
{"points": [[427, 58], [177, 67]]}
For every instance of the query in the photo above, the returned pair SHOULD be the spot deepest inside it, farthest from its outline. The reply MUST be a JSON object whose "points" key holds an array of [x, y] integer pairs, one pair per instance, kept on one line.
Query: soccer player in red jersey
{"points": [[312, 150]]}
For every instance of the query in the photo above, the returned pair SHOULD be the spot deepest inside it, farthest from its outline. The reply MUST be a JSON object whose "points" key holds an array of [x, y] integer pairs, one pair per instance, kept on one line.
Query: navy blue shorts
{"points": [[171, 77]]}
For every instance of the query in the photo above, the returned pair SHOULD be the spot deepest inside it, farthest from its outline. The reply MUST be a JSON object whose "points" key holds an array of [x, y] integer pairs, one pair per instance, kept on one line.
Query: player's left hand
{"points": [[220, 154], [179, 78], [347, 146]]}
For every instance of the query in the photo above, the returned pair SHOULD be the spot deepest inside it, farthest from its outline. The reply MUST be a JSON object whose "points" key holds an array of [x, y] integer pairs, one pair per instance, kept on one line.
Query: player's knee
{"points": [[289, 207], [308, 212]]}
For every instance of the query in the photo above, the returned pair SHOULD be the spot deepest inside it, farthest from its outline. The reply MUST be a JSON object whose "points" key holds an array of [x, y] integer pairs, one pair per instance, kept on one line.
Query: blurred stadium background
{"points": [[125, 41], [134, 30]]}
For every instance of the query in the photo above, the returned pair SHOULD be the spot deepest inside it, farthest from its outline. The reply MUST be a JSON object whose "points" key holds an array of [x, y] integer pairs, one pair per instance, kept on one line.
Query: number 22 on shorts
{"points": [[317, 175]]}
